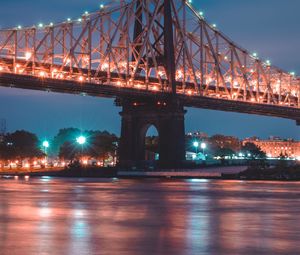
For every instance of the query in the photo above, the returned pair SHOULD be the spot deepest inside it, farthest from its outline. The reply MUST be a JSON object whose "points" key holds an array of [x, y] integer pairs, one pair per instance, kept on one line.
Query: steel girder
{"points": [[151, 45]]}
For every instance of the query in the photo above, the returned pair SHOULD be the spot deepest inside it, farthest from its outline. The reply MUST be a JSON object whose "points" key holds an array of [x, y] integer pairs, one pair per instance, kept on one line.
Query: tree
{"points": [[64, 135], [20, 145], [99, 144], [152, 144], [68, 151], [224, 152], [253, 151], [102, 144], [222, 141]]}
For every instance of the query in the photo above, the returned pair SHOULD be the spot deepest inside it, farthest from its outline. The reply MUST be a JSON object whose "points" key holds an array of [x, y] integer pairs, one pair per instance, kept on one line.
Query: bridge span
{"points": [[154, 57]]}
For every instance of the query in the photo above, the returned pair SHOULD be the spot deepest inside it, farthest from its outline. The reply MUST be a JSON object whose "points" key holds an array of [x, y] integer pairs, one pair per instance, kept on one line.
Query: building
{"points": [[276, 147], [198, 134], [228, 142]]}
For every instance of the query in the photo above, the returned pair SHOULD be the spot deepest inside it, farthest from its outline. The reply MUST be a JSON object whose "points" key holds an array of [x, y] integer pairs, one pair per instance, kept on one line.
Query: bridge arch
{"points": [[151, 142], [137, 117]]}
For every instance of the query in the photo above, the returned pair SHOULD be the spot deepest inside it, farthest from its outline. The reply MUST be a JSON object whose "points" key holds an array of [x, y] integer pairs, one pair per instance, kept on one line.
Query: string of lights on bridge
{"points": [[54, 73], [102, 7]]}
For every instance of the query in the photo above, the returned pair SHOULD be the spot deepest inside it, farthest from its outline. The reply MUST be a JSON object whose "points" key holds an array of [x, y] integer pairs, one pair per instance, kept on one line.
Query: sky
{"points": [[269, 27]]}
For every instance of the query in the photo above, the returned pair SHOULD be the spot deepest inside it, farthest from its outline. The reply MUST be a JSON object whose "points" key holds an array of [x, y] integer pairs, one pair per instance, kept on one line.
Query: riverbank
{"points": [[214, 172], [290, 173], [278, 173], [87, 172]]}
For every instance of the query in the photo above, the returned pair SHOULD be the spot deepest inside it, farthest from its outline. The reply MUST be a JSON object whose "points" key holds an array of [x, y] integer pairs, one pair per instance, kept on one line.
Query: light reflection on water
{"points": [[105, 216]]}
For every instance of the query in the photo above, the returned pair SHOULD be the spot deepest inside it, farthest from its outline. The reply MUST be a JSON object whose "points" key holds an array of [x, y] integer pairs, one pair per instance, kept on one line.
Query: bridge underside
{"points": [[101, 90]]}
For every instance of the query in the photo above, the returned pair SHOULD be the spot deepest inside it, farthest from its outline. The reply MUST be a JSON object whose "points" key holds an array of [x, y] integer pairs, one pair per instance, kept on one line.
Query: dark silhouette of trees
{"points": [[152, 144], [68, 151], [224, 152], [250, 150], [23, 145], [64, 135], [225, 142], [102, 144], [99, 144], [20, 145]]}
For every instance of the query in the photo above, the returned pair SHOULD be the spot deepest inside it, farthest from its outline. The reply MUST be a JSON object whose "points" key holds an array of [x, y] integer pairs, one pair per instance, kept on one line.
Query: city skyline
{"points": [[44, 113]]}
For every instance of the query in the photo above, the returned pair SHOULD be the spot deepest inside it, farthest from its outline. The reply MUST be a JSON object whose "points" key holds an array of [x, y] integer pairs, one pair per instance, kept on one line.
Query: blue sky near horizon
{"points": [[269, 27]]}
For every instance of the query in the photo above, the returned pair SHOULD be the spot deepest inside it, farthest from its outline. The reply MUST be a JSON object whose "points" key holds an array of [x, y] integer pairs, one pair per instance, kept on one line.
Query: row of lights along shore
{"points": [[81, 140], [200, 13]]}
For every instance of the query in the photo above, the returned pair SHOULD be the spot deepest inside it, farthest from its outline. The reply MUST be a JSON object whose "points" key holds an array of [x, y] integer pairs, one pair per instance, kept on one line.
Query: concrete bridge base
{"points": [[167, 116]]}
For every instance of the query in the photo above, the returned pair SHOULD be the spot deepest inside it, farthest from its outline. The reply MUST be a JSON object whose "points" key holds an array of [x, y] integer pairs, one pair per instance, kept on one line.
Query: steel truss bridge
{"points": [[147, 49]]}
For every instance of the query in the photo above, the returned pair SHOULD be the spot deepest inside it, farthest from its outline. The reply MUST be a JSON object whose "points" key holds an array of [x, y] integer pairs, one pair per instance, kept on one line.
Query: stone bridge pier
{"points": [[167, 116]]}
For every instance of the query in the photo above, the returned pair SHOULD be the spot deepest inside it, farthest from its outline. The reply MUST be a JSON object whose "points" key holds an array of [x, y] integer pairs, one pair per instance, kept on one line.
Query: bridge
{"points": [[154, 57]]}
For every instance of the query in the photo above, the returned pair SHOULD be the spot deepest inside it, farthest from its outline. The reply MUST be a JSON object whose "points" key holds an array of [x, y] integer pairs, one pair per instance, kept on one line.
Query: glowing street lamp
{"points": [[81, 140], [203, 147], [196, 145], [46, 145]]}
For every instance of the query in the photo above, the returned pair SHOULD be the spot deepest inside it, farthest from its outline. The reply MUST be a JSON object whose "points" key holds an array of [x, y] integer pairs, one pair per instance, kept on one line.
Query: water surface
{"points": [[83, 216]]}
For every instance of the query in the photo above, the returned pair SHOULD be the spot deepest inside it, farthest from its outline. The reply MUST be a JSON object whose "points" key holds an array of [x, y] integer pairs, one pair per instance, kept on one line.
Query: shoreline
{"points": [[217, 173]]}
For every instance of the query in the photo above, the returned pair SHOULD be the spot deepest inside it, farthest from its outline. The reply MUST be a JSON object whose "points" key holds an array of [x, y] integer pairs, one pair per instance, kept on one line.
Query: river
{"points": [[112, 216]]}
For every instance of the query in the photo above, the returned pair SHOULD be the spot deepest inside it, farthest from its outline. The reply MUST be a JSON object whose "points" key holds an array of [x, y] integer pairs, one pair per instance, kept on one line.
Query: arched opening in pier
{"points": [[151, 143]]}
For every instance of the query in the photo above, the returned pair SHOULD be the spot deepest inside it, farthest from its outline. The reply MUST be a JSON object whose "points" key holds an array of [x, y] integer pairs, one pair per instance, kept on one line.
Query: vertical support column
{"points": [[138, 29], [15, 55], [169, 50], [90, 34], [133, 130], [201, 87], [167, 116], [172, 136], [126, 143], [138, 25]]}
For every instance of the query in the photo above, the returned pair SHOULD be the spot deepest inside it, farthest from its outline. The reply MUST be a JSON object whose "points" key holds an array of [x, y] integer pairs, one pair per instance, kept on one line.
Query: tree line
{"points": [[216, 146], [22, 144]]}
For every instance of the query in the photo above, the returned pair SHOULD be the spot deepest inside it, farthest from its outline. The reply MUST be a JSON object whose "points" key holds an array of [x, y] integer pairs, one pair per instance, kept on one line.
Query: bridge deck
{"points": [[112, 91]]}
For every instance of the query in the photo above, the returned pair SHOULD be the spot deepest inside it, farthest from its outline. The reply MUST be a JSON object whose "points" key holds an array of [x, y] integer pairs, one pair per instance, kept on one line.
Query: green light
{"points": [[196, 144], [46, 144], [81, 140]]}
